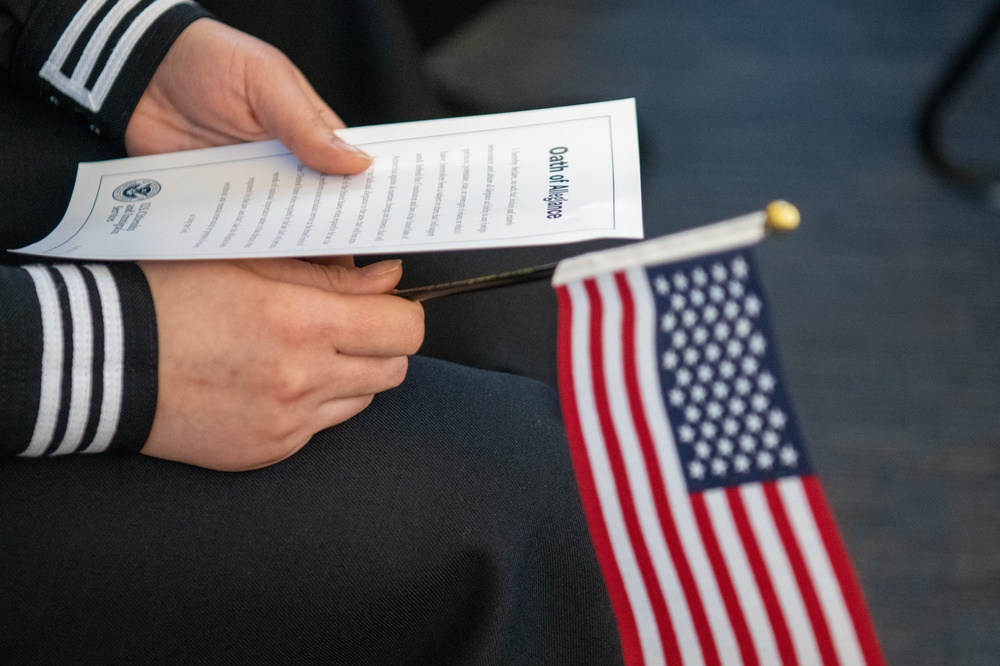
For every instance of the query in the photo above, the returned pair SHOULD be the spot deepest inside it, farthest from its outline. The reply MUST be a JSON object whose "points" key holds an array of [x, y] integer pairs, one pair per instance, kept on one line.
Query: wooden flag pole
{"points": [[779, 217]]}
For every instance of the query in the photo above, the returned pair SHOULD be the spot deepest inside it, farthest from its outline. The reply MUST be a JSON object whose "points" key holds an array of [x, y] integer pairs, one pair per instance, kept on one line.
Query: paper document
{"points": [[526, 178]]}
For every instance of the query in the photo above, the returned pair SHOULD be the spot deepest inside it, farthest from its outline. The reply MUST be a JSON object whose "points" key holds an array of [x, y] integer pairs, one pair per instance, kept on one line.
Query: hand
{"points": [[219, 86], [256, 357]]}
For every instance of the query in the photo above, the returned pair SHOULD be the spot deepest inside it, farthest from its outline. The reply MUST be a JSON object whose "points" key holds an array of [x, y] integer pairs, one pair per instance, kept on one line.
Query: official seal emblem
{"points": [[136, 190]]}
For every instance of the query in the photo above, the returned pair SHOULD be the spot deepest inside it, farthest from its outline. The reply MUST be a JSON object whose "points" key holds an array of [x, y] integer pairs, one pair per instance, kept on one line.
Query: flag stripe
{"points": [[722, 640], [824, 580], [725, 581], [572, 316], [738, 565], [797, 562], [779, 570], [618, 345], [693, 632], [755, 559], [864, 630], [613, 449]]}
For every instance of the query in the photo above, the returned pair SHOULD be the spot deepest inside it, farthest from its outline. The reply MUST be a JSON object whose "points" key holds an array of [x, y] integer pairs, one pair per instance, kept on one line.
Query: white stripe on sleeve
{"points": [[75, 86], [81, 379], [114, 359], [52, 361]]}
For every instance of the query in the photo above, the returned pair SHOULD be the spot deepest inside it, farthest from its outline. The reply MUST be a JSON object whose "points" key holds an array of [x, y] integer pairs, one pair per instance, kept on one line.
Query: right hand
{"points": [[257, 356]]}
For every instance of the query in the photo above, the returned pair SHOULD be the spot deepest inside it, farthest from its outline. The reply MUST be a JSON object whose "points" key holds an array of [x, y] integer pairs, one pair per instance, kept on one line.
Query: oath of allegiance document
{"points": [[525, 178]]}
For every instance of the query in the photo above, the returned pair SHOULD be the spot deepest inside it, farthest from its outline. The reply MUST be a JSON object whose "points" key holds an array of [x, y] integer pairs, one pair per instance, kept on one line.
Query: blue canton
{"points": [[731, 417]]}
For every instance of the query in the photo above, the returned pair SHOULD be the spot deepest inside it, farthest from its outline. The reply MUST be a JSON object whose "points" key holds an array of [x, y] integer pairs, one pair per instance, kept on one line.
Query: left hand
{"points": [[220, 86]]}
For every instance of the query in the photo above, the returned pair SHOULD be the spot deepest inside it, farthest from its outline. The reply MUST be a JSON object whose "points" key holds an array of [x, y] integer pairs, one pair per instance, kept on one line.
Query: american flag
{"points": [[712, 531]]}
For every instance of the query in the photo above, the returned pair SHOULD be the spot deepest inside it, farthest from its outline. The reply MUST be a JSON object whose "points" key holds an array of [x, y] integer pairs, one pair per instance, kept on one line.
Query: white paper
{"points": [[525, 178]]}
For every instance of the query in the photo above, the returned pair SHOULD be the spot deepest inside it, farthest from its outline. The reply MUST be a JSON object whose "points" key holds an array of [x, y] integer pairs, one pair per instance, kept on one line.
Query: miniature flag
{"points": [[712, 531]]}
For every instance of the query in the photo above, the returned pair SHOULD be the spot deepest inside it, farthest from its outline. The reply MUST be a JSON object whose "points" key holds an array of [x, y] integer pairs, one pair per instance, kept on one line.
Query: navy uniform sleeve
{"points": [[94, 57], [78, 345], [78, 359]]}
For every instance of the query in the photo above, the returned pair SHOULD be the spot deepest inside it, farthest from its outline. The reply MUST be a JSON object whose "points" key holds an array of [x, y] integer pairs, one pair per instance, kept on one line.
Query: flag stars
{"points": [[661, 285], [668, 322], [736, 289], [710, 314], [716, 293], [691, 356], [766, 382], [719, 272], [689, 318], [700, 335], [699, 276], [705, 373], [719, 467], [725, 447], [740, 268], [748, 443], [697, 297], [721, 331], [713, 352], [679, 339], [727, 369], [702, 449], [709, 430], [754, 423], [749, 365], [757, 344], [699, 394], [678, 302], [752, 304], [686, 433], [759, 402], [777, 419], [737, 407], [765, 460], [730, 427], [676, 397], [680, 281], [770, 439], [714, 410], [720, 390], [734, 348], [670, 359], [731, 310], [741, 463], [697, 470], [743, 327], [788, 456], [742, 385], [684, 377], [692, 414]]}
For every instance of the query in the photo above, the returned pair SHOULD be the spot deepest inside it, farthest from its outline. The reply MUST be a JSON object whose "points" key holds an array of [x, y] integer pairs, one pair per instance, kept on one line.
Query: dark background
{"points": [[886, 300]]}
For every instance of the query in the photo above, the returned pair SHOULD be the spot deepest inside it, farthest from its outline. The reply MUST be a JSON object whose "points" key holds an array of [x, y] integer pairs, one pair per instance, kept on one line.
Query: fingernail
{"points": [[343, 146], [382, 267]]}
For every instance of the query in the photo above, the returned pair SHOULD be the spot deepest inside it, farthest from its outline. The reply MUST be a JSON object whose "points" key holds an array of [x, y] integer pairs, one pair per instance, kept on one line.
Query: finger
{"points": [[377, 278], [349, 376], [371, 325], [287, 107], [345, 260]]}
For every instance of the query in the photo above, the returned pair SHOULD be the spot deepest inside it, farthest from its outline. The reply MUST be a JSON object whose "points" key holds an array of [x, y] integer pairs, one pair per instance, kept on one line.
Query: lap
{"points": [[441, 525]]}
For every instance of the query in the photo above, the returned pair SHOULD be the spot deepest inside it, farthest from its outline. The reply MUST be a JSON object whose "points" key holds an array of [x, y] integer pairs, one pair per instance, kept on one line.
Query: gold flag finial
{"points": [[781, 216]]}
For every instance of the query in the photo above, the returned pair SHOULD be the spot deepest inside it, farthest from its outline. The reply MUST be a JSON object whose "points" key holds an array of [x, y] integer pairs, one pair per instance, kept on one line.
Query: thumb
{"points": [[294, 114]]}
